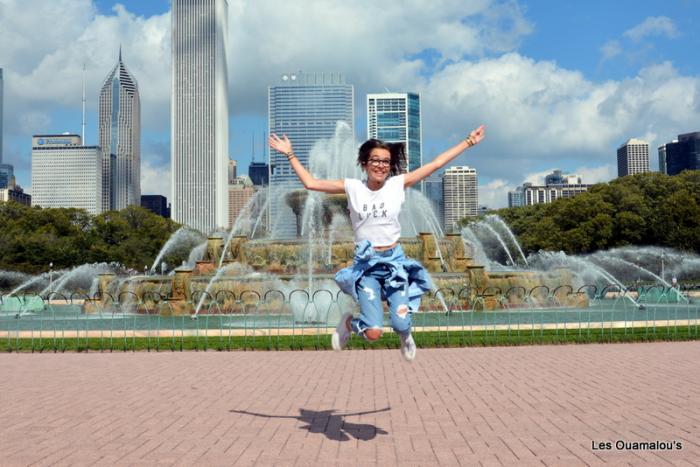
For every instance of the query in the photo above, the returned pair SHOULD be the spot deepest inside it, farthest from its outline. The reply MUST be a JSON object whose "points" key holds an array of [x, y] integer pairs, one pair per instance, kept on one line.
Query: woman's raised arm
{"points": [[415, 176], [284, 146]]}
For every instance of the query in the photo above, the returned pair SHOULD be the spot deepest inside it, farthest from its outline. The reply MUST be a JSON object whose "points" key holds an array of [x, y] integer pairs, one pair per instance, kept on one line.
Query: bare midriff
{"points": [[384, 248]]}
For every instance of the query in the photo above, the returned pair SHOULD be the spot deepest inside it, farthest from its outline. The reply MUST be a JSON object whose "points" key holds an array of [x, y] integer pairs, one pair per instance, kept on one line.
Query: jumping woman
{"points": [[380, 269]]}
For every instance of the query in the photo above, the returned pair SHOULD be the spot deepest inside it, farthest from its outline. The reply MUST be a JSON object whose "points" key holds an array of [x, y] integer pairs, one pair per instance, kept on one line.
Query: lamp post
{"points": [[50, 274]]}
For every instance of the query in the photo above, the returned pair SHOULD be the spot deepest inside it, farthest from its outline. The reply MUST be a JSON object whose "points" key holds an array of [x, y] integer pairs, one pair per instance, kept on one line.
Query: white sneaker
{"points": [[408, 347], [342, 334]]}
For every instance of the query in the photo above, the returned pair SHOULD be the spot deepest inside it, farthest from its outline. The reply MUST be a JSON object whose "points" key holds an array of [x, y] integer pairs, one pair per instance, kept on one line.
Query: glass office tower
{"points": [[396, 117], [120, 139], [306, 107], [683, 154]]}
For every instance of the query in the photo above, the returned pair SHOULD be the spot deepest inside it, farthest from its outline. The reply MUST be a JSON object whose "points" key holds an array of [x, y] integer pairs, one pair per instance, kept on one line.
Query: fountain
{"points": [[482, 264], [183, 237]]}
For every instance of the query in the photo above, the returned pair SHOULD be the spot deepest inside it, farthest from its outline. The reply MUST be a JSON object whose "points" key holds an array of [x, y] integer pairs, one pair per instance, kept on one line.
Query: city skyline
{"points": [[508, 64]]}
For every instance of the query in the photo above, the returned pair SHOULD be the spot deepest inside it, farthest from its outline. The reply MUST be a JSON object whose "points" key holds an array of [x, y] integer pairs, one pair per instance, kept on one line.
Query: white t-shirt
{"points": [[375, 214]]}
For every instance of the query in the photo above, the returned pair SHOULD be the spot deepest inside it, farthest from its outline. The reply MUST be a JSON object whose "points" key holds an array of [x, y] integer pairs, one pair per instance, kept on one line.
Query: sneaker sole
{"points": [[335, 342], [335, 339]]}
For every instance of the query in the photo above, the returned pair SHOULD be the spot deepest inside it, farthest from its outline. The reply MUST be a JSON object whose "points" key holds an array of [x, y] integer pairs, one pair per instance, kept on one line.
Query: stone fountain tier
{"points": [[264, 266], [281, 257]]}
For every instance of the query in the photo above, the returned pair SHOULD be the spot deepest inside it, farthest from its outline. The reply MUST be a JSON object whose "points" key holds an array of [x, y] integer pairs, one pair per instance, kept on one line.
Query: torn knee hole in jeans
{"points": [[402, 311], [369, 292]]}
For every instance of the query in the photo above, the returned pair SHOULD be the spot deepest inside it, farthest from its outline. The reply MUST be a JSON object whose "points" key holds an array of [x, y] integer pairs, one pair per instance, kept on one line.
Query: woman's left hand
{"points": [[282, 144], [477, 135]]}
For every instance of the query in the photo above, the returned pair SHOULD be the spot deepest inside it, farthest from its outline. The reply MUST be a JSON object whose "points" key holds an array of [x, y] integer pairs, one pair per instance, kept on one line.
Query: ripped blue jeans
{"points": [[371, 289]]}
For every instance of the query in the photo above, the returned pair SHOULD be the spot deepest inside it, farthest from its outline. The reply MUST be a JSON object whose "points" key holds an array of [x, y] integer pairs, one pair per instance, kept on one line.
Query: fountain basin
{"points": [[22, 304]]}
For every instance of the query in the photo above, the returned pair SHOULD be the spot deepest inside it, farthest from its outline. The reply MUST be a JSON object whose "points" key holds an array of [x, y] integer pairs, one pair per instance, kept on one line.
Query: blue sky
{"points": [[558, 84]]}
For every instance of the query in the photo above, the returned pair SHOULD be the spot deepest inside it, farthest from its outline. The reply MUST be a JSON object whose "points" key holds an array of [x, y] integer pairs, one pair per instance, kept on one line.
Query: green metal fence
{"points": [[299, 319]]}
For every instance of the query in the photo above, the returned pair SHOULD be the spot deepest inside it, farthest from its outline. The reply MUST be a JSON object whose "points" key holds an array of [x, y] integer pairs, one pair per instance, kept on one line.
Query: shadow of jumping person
{"points": [[334, 426]]}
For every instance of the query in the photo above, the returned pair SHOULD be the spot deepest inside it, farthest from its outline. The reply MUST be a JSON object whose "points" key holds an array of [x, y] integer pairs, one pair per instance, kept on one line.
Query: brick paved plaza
{"points": [[539, 405]]}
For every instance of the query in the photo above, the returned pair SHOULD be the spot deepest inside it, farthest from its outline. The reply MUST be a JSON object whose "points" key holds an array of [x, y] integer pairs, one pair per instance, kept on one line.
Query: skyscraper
{"points": [[259, 173], [199, 117], [662, 157], [157, 204], [633, 157], [240, 190], [396, 118], [6, 170], [2, 84], [460, 195], [432, 189], [557, 177], [15, 193], [66, 174], [232, 169], [6, 175], [306, 107], [120, 139], [556, 185], [683, 154], [516, 198]]}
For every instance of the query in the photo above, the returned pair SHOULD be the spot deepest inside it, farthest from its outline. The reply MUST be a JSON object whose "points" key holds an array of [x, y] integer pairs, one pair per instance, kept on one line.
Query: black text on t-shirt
{"points": [[374, 212]]}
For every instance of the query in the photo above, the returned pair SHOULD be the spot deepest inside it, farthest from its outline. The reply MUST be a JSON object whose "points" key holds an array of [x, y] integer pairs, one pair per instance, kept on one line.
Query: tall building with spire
{"points": [[199, 115], [120, 139]]}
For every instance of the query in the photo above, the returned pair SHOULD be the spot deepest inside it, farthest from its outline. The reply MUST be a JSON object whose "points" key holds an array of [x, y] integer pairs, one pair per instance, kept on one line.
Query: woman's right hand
{"points": [[282, 145]]}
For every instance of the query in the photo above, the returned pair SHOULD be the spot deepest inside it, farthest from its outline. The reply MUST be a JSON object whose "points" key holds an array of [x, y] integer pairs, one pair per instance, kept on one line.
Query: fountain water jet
{"points": [[183, 236], [493, 218]]}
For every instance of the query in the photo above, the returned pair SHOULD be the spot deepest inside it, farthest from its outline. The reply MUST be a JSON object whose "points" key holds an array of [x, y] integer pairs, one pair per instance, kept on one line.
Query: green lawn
{"points": [[437, 339]]}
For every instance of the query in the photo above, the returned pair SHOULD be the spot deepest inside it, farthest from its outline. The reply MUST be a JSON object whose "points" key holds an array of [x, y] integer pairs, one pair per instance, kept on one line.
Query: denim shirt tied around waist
{"points": [[402, 270]]}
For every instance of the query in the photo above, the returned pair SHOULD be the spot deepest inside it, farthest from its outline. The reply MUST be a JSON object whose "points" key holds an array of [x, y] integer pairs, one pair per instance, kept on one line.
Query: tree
{"points": [[33, 237], [644, 209]]}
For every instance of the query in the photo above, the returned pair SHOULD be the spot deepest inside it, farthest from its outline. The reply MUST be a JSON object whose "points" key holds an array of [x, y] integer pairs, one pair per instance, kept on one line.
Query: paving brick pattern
{"points": [[539, 405]]}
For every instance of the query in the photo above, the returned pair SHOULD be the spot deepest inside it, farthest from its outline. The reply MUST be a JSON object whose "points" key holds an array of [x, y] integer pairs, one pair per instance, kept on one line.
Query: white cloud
{"points": [[603, 173], [540, 115], [44, 71], [494, 194], [368, 42], [598, 174], [155, 180], [652, 26], [43, 57], [537, 178], [610, 49]]}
